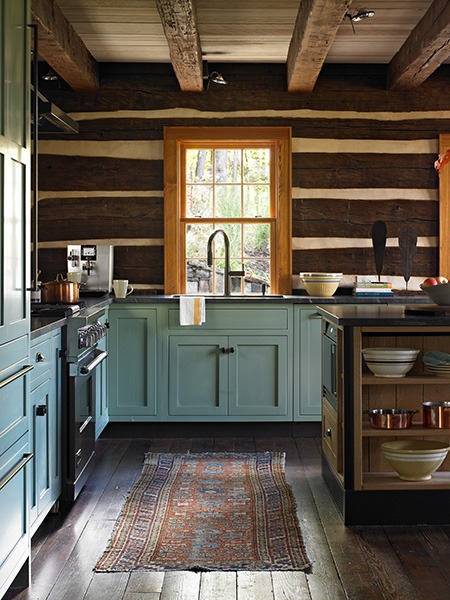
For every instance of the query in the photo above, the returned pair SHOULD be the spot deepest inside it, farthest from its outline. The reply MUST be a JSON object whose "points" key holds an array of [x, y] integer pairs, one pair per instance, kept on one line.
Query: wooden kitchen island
{"points": [[363, 484]]}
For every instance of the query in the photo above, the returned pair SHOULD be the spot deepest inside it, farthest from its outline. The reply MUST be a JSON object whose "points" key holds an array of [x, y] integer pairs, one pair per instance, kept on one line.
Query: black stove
{"points": [[42, 309]]}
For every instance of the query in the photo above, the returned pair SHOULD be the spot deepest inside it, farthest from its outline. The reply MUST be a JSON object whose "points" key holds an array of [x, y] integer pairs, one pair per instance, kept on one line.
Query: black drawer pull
{"points": [[26, 458], [17, 375], [41, 410]]}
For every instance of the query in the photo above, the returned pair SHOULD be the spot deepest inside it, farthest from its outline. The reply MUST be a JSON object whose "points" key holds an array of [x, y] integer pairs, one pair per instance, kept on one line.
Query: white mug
{"points": [[121, 288]]}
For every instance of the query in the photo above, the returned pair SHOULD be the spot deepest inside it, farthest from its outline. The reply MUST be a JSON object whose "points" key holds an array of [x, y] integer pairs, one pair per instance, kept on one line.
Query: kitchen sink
{"points": [[234, 296]]}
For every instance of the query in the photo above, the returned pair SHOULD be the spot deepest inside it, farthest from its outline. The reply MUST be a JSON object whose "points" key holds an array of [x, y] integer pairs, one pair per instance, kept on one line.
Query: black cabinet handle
{"points": [[227, 350], [328, 432], [41, 410], [40, 357]]}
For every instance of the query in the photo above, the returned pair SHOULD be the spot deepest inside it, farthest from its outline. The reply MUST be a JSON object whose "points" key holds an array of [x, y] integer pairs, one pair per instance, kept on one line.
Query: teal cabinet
{"points": [[14, 171], [133, 366], [198, 375], [101, 383], [45, 426], [307, 364], [235, 367], [15, 185]]}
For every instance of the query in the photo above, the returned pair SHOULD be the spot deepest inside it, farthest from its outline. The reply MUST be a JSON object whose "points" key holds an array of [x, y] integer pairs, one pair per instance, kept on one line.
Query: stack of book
{"points": [[373, 288]]}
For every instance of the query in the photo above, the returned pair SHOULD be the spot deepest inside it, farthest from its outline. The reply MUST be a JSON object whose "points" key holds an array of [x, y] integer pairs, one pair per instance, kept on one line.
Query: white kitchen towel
{"points": [[192, 310]]}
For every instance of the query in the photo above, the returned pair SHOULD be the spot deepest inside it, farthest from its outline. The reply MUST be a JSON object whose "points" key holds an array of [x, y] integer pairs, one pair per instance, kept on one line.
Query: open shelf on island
{"points": [[391, 481], [424, 379], [417, 429]]}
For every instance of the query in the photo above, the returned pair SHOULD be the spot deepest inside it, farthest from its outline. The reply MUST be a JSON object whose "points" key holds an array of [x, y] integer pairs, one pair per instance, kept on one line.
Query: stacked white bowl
{"points": [[390, 362]]}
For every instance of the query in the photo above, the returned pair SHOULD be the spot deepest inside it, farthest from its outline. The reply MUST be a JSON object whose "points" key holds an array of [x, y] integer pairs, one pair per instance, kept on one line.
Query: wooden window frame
{"points": [[175, 140], [444, 210]]}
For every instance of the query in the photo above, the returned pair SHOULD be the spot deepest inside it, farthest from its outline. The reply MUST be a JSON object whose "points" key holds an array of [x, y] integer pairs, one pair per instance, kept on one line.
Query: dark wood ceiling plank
{"points": [[62, 48], [179, 21], [315, 29], [425, 49]]}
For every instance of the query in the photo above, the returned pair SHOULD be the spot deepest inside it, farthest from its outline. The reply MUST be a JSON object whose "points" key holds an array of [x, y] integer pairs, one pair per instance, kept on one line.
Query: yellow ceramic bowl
{"points": [[415, 460], [321, 284]]}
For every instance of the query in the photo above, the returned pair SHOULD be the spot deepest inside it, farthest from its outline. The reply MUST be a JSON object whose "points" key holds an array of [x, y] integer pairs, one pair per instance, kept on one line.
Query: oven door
{"points": [[80, 421]]}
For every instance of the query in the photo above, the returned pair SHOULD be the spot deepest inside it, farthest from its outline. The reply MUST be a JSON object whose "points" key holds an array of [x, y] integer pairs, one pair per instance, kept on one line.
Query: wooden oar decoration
{"points": [[407, 243], [379, 235]]}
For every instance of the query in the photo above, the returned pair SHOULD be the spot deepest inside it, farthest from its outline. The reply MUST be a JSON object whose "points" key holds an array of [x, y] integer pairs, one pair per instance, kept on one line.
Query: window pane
{"points": [[199, 201], [256, 201], [257, 240], [198, 166], [197, 239], [198, 277], [234, 232], [228, 201], [257, 272], [257, 165], [227, 166]]}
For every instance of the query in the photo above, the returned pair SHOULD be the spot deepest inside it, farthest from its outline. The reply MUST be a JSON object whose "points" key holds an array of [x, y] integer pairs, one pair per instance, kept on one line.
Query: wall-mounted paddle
{"points": [[379, 235], [407, 243]]}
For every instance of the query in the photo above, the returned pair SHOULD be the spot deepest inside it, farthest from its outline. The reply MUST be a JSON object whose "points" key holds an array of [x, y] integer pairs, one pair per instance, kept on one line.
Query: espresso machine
{"points": [[94, 266]]}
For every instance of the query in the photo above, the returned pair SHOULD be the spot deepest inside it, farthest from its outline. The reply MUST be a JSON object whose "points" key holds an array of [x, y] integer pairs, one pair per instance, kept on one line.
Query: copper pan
{"points": [[436, 415], [390, 418], [60, 291]]}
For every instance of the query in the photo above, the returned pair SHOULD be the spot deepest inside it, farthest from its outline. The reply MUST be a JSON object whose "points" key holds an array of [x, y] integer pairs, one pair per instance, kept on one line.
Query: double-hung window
{"points": [[237, 180]]}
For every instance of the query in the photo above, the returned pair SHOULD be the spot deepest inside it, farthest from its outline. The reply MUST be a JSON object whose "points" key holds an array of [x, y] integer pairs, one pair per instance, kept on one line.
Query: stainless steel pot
{"points": [[390, 418], [60, 291], [436, 415]]}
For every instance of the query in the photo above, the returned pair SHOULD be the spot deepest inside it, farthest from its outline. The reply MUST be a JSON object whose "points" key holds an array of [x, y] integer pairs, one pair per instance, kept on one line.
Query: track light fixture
{"points": [[50, 76], [215, 77], [359, 15]]}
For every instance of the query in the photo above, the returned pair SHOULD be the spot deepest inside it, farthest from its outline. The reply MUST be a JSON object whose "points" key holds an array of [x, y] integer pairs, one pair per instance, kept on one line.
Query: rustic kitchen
{"points": [[226, 228]]}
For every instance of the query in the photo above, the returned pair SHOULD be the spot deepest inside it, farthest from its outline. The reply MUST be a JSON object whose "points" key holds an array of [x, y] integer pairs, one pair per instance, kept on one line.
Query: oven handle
{"points": [[86, 369]]}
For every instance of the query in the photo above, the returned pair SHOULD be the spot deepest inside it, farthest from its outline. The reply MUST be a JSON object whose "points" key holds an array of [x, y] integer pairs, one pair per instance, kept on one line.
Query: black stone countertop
{"points": [[416, 315], [41, 325]]}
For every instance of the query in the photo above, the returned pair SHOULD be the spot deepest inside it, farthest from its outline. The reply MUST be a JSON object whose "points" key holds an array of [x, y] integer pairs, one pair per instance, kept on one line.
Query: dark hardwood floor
{"points": [[361, 563]]}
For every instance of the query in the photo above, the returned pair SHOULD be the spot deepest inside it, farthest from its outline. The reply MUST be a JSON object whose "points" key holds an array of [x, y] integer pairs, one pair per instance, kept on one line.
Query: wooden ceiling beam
{"points": [[315, 29], [425, 49], [179, 21], [61, 47]]}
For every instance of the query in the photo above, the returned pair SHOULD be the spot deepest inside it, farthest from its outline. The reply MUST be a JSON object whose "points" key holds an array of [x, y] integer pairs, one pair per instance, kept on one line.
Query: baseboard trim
{"points": [[205, 430]]}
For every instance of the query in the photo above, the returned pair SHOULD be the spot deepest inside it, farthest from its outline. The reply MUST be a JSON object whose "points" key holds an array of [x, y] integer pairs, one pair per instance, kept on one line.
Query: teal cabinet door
{"points": [[14, 171], [45, 426], [307, 365], [101, 393], [259, 376], [198, 375], [132, 365], [40, 487]]}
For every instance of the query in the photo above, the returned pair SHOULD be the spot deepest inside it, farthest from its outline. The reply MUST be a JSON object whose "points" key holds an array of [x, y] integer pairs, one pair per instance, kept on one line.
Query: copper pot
{"points": [[60, 291], [391, 418], [436, 415]]}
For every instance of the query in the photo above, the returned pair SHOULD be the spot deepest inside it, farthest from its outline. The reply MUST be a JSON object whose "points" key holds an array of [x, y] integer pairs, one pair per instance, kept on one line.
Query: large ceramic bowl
{"points": [[439, 294], [390, 362], [321, 284], [415, 460]]}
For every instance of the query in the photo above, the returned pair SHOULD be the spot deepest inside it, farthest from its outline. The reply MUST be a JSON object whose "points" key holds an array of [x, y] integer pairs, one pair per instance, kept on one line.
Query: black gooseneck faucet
{"points": [[227, 272]]}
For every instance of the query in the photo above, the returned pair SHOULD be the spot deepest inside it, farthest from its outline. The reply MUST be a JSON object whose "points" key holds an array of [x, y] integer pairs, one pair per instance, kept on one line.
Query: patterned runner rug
{"points": [[208, 512]]}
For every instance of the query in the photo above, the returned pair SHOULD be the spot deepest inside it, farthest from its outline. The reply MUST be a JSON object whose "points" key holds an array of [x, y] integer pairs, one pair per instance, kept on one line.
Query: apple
{"points": [[441, 279], [429, 281]]}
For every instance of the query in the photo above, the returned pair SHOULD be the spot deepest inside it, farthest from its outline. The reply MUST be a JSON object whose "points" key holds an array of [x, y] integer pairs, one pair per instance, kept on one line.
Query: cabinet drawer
{"points": [[13, 403], [41, 358], [13, 508], [330, 437], [241, 319]]}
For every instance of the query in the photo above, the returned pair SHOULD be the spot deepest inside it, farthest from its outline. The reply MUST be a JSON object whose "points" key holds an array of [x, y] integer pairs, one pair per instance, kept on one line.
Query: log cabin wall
{"points": [[360, 154]]}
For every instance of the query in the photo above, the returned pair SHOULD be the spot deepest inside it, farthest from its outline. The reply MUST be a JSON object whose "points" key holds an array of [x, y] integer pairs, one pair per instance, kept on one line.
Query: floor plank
{"points": [[290, 585], [219, 584], [252, 585], [181, 585]]}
